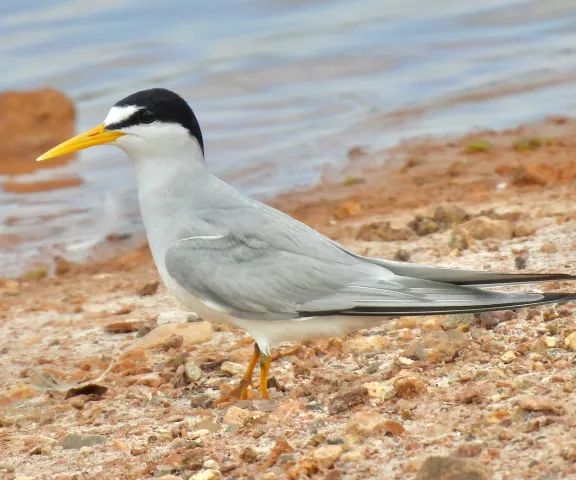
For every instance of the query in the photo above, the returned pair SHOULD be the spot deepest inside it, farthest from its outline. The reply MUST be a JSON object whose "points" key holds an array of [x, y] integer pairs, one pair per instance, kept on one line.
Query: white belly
{"points": [[269, 333]]}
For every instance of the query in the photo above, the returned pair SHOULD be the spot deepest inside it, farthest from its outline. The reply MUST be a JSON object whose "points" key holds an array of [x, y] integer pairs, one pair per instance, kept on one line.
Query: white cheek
{"points": [[154, 140]]}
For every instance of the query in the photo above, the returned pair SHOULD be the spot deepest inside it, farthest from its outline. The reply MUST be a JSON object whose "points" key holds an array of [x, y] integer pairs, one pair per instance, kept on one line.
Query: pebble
{"points": [[281, 446], [192, 372], [570, 341], [120, 445], [232, 369], [365, 423], [147, 379], [402, 255], [207, 425], [148, 289], [138, 450], [549, 247], [482, 228], [383, 232], [346, 400], [423, 225], [409, 387], [172, 316], [569, 452], [124, 310], [327, 455], [207, 475], [198, 433], [459, 239], [490, 320], [191, 333], [362, 345], [86, 451], [163, 470], [450, 215], [77, 441], [404, 361], [437, 346], [520, 263], [451, 322], [268, 476], [173, 341], [235, 416], [368, 423], [508, 357], [124, 327], [540, 404], [249, 455], [469, 450], [211, 464], [200, 400], [380, 390], [169, 477], [435, 468], [352, 457]]}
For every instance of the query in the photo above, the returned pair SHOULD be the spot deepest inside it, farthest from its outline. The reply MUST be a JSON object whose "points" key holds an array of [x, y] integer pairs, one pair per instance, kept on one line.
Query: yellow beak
{"points": [[96, 136]]}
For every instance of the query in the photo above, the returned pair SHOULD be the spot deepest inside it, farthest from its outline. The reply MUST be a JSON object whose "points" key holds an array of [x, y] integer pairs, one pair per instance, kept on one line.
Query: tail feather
{"points": [[440, 310]]}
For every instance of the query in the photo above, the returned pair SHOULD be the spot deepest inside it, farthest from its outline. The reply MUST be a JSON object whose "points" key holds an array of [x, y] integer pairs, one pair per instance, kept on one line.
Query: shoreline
{"points": [[476, 167], [471, 388]]}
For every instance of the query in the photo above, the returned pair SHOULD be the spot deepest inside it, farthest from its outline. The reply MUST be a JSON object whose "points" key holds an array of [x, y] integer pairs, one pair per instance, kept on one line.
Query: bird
{"points": [[237, 261]]}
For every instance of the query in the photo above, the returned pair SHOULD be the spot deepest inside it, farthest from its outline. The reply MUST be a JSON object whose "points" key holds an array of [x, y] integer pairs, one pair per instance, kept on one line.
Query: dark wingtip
{"points": [[517, 278], [419, 311]]}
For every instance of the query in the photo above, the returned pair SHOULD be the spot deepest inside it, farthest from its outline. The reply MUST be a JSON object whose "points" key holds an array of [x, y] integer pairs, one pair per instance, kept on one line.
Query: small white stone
{"points": [[176, 316], [405, 361]]}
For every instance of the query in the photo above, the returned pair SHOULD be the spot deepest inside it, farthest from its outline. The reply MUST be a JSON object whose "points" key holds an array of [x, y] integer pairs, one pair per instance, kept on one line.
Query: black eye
{"points": [[147, 116]]}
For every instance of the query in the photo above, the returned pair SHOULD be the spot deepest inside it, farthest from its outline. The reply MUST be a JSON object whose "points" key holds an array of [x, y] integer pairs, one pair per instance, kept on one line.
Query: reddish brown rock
{"points": [[437, 346], [148, 289], [32, 123], [348, 399]]}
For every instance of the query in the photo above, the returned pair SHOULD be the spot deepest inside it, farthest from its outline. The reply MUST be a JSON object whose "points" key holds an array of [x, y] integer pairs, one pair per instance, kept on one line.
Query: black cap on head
{"points": [[162, 105]]}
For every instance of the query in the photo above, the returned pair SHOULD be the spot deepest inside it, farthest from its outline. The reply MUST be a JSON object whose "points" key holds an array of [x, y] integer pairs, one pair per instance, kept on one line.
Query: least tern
{"points": [[237, 261]]}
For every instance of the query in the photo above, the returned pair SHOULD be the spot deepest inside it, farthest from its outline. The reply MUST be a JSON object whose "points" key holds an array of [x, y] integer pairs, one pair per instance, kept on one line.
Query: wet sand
{"points": [[494, 392]]}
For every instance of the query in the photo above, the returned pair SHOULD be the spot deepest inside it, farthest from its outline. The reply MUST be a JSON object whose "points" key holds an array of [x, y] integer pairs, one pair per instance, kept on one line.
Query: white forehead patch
{"points": [[119, 114]]}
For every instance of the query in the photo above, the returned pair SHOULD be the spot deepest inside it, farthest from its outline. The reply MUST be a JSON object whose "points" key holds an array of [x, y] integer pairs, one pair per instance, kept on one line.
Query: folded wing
{"points": [[249, 277]]}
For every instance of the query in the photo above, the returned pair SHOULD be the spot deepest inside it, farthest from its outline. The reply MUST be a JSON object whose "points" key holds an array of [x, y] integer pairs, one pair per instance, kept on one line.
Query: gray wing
{"points": [[252, 278], [256, 262], [246, 275]]}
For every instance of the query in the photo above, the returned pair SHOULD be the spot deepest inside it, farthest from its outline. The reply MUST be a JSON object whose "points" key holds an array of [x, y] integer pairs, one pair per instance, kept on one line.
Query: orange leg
{"points": [[240, 392], [264, 370]]}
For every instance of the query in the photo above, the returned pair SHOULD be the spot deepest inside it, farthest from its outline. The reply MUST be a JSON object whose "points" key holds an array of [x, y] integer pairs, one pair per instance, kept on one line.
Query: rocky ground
{"points": [[103, 376]]}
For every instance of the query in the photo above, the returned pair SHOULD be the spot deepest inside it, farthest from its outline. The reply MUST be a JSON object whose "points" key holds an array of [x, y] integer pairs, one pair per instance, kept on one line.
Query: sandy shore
{"points": [[86, 392]]}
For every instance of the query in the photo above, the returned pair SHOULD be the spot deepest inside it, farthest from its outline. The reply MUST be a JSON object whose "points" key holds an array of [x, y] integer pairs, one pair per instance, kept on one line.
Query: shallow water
{"points": [[281, 87]]}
